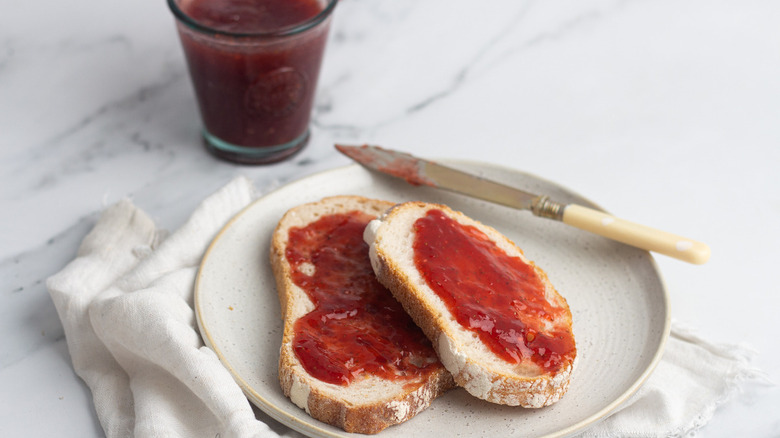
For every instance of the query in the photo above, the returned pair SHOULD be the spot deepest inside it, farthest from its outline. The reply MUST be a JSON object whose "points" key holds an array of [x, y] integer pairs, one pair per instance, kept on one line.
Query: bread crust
{"points": [[369, 405], [472, 365]]}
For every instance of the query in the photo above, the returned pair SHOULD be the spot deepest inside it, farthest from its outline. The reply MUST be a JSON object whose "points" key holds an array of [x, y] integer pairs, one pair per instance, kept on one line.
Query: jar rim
{"points": [[281, 32]]}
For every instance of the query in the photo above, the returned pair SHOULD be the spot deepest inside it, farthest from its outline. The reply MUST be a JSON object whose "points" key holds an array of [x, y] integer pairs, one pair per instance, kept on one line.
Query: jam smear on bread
{"points": [[499, 297], [357, 328]]}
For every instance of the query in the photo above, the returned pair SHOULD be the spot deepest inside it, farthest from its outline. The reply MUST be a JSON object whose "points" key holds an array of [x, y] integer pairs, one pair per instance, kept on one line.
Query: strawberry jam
{"points": [[254, 66], [497, 296], [357, 327]]}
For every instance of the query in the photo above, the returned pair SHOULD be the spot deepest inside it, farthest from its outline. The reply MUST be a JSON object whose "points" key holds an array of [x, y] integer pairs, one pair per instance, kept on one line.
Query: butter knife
{"points": [[417, 171]]}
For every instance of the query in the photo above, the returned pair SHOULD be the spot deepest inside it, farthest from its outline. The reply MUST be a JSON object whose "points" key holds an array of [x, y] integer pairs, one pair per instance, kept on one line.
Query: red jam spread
{"points": [[249, 94], [357, 327], [495, 295]]}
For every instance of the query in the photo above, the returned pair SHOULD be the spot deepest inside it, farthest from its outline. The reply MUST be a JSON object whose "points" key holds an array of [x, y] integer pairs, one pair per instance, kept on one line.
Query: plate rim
{"points": [[309, 427]]}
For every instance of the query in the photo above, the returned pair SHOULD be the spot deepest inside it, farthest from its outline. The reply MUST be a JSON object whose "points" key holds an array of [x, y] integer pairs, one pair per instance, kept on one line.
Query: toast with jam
{"points": [[350, 356], [495, 320]]}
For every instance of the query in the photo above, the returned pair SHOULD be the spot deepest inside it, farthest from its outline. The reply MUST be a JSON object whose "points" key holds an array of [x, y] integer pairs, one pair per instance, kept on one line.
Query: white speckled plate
{"points": [[618, 300]]}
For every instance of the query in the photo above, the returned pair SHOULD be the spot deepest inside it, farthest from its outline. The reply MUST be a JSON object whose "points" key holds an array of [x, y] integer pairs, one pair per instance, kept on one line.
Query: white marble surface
{"points": [[665, 112]]}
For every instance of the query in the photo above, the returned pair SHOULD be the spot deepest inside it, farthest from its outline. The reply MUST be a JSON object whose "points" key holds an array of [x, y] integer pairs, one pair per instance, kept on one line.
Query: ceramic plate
{"points": [[618, 301]]}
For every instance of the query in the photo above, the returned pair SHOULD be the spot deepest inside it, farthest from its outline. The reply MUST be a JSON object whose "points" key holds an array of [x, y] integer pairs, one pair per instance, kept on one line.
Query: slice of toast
{"points": [[350, 356], [494, 318]]}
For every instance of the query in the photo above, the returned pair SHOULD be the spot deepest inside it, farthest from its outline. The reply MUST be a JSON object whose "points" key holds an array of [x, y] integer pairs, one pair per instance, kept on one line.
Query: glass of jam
{"points": [[254, 66]]}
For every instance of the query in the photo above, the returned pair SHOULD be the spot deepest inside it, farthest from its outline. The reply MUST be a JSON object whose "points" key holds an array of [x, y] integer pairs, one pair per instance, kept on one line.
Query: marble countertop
{"points": [[663, 112]]}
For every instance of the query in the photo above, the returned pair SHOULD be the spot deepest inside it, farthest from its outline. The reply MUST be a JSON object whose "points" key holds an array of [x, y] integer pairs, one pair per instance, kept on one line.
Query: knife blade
{"points": [[417, 171]]}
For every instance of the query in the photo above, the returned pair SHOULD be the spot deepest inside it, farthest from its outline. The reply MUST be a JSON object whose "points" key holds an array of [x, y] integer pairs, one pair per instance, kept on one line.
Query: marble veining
{"points": [[663, 112]]}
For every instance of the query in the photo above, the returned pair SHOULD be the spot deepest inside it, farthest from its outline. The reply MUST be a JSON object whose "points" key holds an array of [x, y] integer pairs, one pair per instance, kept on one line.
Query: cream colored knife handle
{"points": [[636, 235]]}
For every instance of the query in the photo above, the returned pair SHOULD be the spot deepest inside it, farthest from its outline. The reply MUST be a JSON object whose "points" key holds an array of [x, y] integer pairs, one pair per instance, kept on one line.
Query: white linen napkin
{"points": [[126, 305], [693, 378]]}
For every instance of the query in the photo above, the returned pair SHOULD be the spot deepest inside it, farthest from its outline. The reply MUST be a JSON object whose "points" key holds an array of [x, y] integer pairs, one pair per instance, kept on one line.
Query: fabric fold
{"points": [[693, 378], [132, 333]]}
